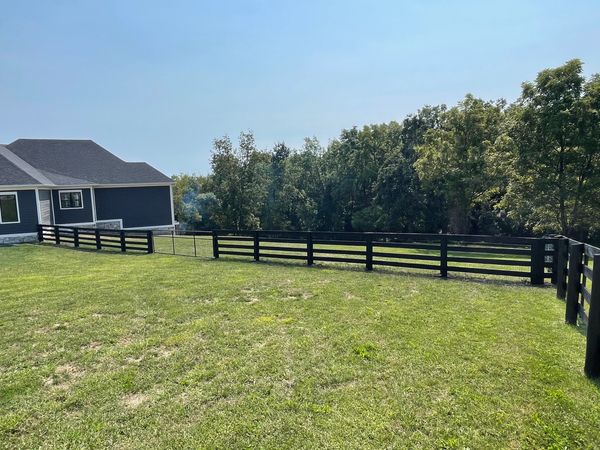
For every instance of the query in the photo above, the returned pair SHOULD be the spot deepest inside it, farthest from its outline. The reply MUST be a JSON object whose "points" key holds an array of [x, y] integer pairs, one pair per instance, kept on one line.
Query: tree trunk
{"points": [[459, 217]]}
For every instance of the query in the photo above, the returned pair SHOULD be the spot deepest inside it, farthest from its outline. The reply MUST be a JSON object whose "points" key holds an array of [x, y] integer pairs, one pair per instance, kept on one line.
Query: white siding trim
{"points": [[37, 204], [172, 206], [155, 227], [93, 196], [73, 224]]}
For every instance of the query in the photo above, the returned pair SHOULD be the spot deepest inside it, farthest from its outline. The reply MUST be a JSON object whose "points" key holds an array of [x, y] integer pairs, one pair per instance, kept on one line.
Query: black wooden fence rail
{"points": [[490, 255], [98, 239], [578, 282]]}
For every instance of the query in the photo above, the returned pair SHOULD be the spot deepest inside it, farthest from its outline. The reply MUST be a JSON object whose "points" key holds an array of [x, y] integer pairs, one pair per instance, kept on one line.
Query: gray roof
{"points": [[10, 174], [75, 162]]}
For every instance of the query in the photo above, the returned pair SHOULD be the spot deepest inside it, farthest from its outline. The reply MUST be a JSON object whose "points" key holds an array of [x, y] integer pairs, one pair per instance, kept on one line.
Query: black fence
{"points": [[530, 258], [97, 239], [578, 282]]}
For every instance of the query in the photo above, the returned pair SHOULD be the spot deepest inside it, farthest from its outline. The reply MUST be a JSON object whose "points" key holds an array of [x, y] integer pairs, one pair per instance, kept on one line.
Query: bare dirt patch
{"points": [[135, 400]]}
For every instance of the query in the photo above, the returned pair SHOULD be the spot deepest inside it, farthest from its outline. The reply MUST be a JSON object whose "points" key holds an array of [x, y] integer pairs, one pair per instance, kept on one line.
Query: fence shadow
{"points": [[104, 251]]}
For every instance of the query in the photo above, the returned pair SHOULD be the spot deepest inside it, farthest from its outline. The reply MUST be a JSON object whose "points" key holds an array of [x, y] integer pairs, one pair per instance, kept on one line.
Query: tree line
{"points": [[485, 167]]}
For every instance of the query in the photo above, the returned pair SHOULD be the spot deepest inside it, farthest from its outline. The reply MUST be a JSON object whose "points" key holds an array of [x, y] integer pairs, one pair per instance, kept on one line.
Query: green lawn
{"points": [[154, 351]]}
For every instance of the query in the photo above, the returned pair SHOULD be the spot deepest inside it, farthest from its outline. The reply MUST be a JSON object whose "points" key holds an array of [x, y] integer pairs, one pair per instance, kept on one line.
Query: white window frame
{"points": [[68, 192], [16, 194]]}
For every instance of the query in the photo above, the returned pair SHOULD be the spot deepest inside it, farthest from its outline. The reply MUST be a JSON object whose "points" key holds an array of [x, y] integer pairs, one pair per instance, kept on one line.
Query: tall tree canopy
{"points": [[455, 156], [478, 167], [556, 143]]}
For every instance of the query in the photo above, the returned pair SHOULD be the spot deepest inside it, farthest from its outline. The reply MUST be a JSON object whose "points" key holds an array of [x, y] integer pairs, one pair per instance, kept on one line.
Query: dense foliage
{"points": [[478, 167]]}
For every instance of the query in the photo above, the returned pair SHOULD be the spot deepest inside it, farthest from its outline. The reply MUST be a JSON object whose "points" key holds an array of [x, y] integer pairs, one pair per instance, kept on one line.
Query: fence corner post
{"points": [[150, 239], [592, 350], [444, 256], [122, 236], [256, 246], [40, 233], [538, 249], [369, 255], [76, 237], [562, 259], [573, 283], [215, 241], [309, 249]]}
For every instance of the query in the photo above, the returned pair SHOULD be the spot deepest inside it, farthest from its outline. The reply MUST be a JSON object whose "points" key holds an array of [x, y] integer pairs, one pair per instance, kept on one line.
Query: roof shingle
{"points": [[77, 162]]}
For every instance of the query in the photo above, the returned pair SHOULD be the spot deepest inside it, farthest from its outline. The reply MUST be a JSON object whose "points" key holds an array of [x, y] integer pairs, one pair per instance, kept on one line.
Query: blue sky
{"points": [[158, 81]]}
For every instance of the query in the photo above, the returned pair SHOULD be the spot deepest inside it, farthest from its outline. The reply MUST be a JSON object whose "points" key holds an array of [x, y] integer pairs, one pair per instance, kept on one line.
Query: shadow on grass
{"points": [[103, 251]]}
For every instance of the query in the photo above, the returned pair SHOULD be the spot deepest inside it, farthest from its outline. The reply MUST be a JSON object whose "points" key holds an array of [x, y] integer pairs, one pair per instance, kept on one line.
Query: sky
{"points": [[158, 81]]}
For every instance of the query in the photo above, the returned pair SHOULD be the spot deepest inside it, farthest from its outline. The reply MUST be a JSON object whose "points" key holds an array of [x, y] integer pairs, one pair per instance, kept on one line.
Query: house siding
{"points": [[66, 216], [27, 214], [135, 206]]}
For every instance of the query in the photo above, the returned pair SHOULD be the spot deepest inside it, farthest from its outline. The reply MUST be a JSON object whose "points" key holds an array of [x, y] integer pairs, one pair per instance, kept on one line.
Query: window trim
{"points": [[70, 191], [16, 194]]}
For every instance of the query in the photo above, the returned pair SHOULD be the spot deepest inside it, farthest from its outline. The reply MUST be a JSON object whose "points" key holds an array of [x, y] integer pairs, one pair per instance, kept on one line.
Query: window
{"points": [[9, 207], [70, 199]]}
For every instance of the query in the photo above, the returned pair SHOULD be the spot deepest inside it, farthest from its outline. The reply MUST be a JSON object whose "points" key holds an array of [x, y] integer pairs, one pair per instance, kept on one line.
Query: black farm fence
{"points": [[97, 239], [578, 282], [522, 257]]}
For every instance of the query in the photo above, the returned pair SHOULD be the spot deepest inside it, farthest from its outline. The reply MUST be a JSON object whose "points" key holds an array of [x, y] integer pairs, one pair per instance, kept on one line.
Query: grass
{"points": [[154, 351]]}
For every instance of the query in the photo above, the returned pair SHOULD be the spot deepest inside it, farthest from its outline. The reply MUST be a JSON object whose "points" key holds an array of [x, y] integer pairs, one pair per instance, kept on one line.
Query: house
{"points": [[78, 183]]}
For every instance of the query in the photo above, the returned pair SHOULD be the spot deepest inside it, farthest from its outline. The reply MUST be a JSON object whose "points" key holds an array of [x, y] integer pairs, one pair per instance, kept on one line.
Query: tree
{"points": [[240, 179], [352, 165], [273, 216], [454, 158], [404, 205], [555, 140]]}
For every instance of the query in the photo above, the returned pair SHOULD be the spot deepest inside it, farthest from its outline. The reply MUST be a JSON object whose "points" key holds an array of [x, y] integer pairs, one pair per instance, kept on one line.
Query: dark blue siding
{"points": [[27, 215], [138, 207], [64, 216]]}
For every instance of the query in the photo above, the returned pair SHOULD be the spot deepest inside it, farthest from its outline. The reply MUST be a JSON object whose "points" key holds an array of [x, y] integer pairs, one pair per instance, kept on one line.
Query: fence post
{"points": [[573, 283], [256, 246], [562, 259], [40, 233], [76, 237], [150, 239], [194, 237], [554, 243], [444, 256], [369, 247], [173, 240], [538, 248], [122, 236], [309, 249], [215, 239], [57, 235], [98, 240], [592, 350]]}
